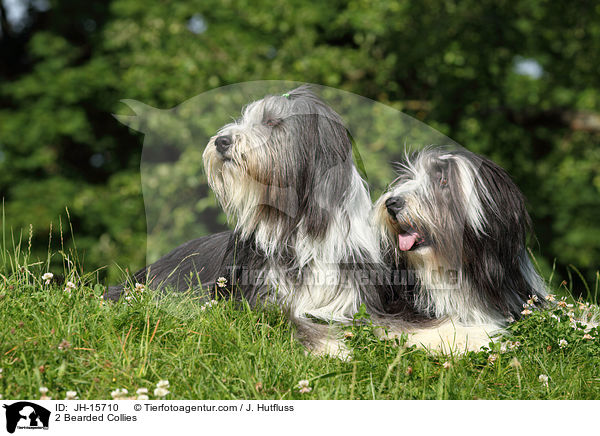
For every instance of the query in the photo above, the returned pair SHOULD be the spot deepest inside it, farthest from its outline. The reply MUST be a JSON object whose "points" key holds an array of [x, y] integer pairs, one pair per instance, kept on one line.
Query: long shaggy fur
{"points": [[284, 174], [194, 265], [458, 224]]}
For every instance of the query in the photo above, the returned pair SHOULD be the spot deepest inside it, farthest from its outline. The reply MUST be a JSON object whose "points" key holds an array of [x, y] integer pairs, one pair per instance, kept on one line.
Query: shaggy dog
{"points": [[458, 224], [303, 239]]}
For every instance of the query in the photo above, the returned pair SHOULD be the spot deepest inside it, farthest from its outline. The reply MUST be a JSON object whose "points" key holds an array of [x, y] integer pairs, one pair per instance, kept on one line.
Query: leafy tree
{"points": [[517, 81]]}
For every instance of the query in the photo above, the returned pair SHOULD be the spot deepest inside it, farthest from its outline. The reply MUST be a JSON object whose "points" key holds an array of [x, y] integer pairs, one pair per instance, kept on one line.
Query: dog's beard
{"points": [[251, 182]]}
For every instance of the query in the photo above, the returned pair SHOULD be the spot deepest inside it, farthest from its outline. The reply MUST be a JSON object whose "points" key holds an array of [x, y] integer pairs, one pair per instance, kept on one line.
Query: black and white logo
{"points": [[26, 415]]}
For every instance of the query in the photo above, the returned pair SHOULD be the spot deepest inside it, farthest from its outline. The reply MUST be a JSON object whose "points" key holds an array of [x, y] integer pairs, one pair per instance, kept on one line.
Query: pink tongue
{"points": [[407, 240]]}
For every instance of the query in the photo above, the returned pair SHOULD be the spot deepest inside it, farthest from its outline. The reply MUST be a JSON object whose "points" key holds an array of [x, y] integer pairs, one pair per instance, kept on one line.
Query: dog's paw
{"points": [[331, 348], [446, 338], [450, 338]]}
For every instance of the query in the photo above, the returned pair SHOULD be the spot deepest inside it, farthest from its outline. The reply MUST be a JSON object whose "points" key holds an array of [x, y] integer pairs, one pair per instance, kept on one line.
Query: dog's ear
{"points": [[503, 204], [494, 259], [328, 172]]}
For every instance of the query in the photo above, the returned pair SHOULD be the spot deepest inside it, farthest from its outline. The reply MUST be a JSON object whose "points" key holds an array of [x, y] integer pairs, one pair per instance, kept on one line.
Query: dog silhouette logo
{"points": [[26, 415]]}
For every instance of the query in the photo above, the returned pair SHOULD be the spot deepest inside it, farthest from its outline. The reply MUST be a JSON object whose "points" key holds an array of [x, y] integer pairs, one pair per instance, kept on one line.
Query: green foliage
{"points": [[453, 65]]}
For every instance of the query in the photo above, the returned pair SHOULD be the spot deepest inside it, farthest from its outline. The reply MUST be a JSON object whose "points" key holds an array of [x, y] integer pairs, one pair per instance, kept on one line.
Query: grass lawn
{"points": [[70, 340]]}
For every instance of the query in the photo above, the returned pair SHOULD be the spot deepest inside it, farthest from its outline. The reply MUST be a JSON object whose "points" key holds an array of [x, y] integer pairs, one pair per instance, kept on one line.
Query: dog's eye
{"points": [[272, 122], [443, 181]]}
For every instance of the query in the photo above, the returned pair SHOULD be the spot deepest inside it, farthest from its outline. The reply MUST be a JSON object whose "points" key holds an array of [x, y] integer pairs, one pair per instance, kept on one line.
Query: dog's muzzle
{"points": [[408, 237], [394, 205], [223, 144]]}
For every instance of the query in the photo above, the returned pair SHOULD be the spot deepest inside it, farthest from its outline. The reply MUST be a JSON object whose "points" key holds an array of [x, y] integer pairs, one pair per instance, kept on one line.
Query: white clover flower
{"points": [[303, 387], [47, 277], [69, 287], [221, 282], [71, 395], [556, 317], [43, 390], [139, 288], [142, 397], [526, 312], [550, 297], [160, 392], [588, 336], [119, 394], [446, 365], [303, 384], [142, 391], [543, 378], [563, 343], [163, 384]]}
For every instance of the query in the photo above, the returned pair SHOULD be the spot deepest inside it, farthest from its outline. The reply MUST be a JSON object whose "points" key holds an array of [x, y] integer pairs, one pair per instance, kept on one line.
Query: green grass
{"points": [[75, 342]]}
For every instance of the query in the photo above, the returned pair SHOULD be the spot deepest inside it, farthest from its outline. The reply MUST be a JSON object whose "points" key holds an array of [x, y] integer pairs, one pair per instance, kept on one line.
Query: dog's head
{"points": [[448, 206], [285, 164]]}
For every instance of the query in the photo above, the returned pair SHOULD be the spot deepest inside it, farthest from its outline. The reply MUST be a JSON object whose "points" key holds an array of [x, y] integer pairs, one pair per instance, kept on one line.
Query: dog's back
{"points": [[193, 265]]}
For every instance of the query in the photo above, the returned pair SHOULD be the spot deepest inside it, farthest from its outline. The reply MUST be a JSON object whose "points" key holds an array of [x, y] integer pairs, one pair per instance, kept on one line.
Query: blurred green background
{"points": [[518, 81]]}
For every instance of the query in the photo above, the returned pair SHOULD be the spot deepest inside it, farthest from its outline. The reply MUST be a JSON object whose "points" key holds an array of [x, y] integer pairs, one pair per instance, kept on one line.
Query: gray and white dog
{"points": [[284, 174], [303, 238], [459, 223]]}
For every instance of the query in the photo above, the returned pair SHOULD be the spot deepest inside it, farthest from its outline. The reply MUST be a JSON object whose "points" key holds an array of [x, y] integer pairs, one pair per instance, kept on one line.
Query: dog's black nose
{"points": [[394, 204], [223, 143]]}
